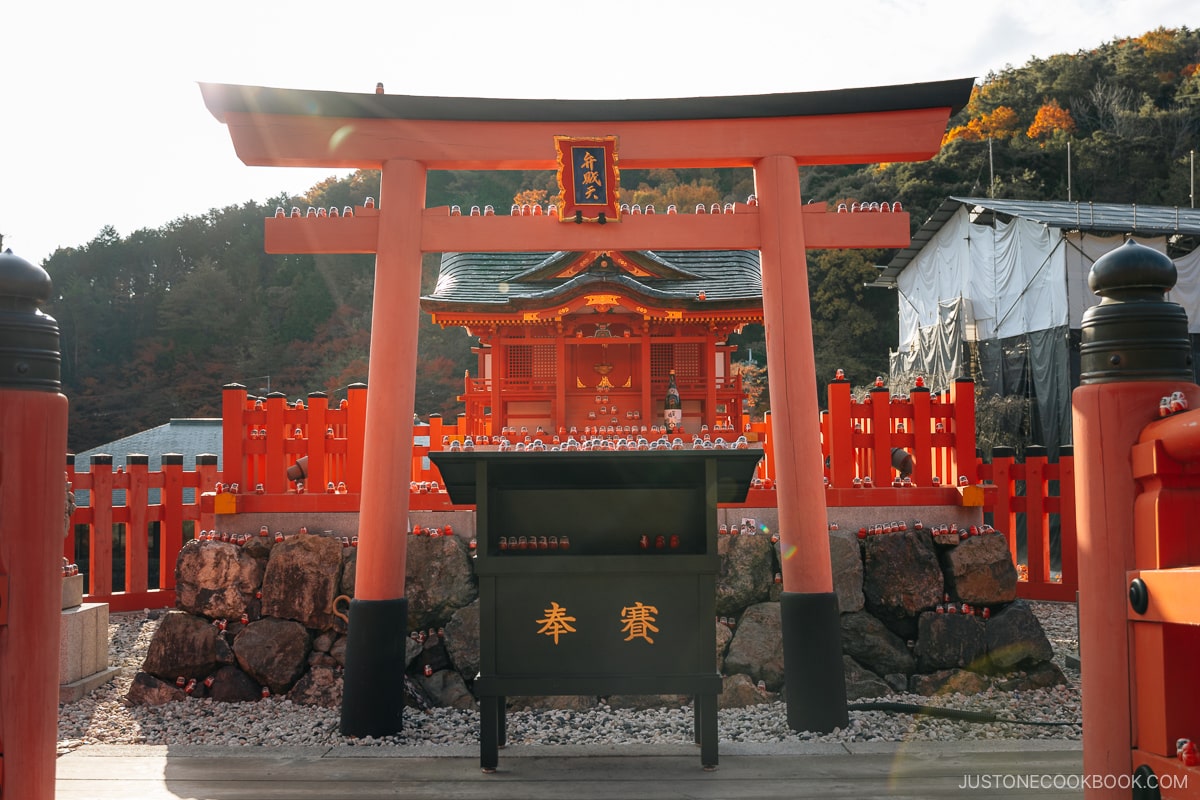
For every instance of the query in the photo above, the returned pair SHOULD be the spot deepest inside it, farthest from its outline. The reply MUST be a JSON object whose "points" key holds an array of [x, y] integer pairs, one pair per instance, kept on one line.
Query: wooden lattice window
{"points": [[544, 362], [531, 361], [683, 357], [520, 361]]}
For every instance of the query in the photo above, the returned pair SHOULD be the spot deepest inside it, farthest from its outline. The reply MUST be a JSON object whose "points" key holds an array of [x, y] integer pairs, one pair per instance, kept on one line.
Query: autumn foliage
{"points": [[1000, 123], [1050, 117]]}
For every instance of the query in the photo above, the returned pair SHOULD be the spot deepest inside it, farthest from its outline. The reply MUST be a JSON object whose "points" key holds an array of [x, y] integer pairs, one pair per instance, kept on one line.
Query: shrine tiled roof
{"points": [[674, 279]]}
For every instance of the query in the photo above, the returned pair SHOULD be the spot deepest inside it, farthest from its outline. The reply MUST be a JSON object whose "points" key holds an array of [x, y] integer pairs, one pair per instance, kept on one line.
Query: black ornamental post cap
{"points": [[1134, 334], [29, 343]]}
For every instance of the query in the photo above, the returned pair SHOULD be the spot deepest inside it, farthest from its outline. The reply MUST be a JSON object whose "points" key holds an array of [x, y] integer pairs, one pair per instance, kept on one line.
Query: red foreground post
{"points": [[33, 429], [1135, 350]]}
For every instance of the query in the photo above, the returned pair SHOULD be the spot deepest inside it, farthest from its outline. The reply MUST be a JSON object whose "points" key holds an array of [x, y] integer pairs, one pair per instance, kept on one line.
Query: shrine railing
{"points": [[133, 542]]}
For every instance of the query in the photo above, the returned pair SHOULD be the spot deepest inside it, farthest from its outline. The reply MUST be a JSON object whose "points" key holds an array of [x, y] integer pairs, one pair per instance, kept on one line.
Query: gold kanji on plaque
{"points": [[556, 621], [639, 620]]}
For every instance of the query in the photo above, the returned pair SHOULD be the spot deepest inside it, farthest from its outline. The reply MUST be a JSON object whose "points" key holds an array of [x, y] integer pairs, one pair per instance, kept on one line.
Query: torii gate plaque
{"points": [[405, 136]]}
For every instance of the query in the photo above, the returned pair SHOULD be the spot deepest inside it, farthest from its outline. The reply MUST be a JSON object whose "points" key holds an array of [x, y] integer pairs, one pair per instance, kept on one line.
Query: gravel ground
{"points": [[103, 718]]}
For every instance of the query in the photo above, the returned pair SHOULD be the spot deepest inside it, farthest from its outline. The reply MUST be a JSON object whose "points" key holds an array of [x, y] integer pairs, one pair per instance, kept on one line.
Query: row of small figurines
{"points": [[867, 482], [600, 433], [234, 488], [625, 445], [949, 607], [189, 685], [552, 210], [242, 539], [944, 529], [938, 427]]}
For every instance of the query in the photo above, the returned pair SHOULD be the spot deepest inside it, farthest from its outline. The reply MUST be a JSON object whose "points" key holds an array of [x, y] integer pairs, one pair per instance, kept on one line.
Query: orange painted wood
{"points": [[865, 138], [274, 470], [293, 503], [387, 452], [69, 540], [1067, 536], [441, 232], [1003, 513], [921, 426], [357, 234], [787, 320], [233, 433], [997, 498], [315, 442], [1108, 420], [1167, 695], [880, 465], [1179, 434], [172, 521], [558, 410], [137, 545], [1149, 669], [33, 430], [356, 435], [100, 544], [1184, 781], [962, 396], [1173, 594], [1037, 529]]}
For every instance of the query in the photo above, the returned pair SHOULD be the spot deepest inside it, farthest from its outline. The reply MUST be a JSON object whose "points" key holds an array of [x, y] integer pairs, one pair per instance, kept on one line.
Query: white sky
{"points": [[103, 123]]}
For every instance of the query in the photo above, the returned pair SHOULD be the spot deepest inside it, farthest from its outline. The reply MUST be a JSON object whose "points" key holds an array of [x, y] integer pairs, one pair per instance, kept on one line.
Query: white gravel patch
{"points": [[103, 717]]}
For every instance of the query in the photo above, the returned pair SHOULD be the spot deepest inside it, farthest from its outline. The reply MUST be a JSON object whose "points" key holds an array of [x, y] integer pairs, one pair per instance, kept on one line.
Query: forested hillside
{"points": [[155, 323]]}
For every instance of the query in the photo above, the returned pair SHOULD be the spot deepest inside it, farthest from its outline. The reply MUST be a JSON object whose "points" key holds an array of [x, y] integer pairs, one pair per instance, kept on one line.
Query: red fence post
{"points": [[1003, 517], [274, 478], [171, 529], [922, 433], [840, 442], [69, 539], [233, 434], [356, 435], [1037, 528], [99, 577], [962, 395], [318, 465], [768, 447], [33, 438], [880, 463], [206, 478], [1067, 533], [137, 543]]}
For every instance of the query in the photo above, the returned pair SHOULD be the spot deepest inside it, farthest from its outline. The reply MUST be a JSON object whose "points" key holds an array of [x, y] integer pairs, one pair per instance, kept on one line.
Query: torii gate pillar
{"points": [[373, 685], [811, 624], [405, 136]]}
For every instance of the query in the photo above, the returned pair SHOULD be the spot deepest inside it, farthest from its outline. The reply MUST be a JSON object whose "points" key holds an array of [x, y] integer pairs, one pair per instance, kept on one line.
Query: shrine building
{"points": [[587, 340]]}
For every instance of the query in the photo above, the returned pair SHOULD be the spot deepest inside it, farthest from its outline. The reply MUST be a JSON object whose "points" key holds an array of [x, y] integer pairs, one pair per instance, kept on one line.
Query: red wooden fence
{"points": [[107, 524], [261, 438]]}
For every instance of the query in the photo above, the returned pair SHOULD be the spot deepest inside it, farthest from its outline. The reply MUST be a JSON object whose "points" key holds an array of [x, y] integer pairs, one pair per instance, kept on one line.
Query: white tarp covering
{"points": [[1187, 288], [1082, 251], [1015, 278], [1015, 289], [1010, 275]]}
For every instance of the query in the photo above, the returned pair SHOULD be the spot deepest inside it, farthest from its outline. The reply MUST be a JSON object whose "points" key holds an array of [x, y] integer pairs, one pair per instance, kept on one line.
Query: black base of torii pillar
{"points": [[373, 688], [813, 677]]}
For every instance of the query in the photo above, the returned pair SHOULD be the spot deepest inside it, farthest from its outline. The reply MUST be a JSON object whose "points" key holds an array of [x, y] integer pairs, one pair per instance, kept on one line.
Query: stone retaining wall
{"points": [[259, 616]]}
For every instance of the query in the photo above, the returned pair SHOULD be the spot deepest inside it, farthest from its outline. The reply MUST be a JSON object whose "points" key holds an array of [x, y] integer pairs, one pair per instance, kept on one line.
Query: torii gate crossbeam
{"points": [[405, 136]]}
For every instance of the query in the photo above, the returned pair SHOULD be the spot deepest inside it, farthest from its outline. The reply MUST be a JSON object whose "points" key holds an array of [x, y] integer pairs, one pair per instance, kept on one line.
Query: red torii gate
{"points": [[405, 136]]}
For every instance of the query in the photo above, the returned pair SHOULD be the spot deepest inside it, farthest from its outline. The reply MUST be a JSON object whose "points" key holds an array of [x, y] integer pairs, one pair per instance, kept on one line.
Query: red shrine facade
{"points": [[585, 342]]}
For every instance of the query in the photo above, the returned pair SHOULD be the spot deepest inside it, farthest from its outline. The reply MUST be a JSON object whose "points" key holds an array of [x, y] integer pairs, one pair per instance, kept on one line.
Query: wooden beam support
{"points": [[277, 140], [442, 233]]}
